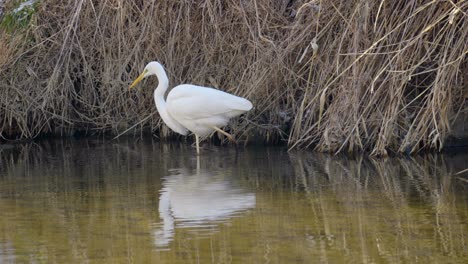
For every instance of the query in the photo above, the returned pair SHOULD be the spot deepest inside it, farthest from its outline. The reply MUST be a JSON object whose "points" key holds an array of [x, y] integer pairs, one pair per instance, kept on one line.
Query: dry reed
{"points": [[338, 75]]}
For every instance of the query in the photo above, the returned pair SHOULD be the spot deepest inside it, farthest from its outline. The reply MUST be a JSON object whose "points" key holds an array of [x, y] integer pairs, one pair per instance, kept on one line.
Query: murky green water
{"points": [[92, 201]]}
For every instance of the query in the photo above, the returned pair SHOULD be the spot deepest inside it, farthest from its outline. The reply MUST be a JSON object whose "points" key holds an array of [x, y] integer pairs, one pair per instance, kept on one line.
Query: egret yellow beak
{"points": [[137, 80]]}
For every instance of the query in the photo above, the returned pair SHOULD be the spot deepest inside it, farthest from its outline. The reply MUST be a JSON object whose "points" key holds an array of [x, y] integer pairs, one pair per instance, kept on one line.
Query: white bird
{"points": [[189, 107]]}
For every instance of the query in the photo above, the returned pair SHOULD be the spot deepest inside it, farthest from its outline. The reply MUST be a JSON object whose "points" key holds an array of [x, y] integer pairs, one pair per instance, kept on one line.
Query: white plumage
{"points": [[188, 107]]}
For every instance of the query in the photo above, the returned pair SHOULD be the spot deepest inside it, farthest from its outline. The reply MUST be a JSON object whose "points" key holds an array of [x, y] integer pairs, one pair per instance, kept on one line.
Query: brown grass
{"points": [[338, 75]]}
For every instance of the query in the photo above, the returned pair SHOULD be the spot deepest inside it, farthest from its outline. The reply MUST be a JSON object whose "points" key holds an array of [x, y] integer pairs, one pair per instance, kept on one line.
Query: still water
{"points": [[140, 201]]}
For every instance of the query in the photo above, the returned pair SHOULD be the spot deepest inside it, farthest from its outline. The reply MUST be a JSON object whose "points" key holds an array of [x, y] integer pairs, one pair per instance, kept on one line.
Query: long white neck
{"points": [[160, 91], [161, 103]]}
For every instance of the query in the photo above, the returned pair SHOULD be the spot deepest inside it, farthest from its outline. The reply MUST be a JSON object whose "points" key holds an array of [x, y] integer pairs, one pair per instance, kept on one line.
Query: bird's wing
{"points": [[197, 102]]}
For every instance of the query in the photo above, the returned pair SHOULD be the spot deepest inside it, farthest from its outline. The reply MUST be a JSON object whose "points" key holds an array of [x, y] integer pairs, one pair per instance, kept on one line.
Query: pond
{"points": [[141, 201]]}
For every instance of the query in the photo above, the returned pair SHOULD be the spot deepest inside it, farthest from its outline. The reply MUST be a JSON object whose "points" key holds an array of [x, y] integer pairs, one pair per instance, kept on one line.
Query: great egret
{"points": [[189, 107]]}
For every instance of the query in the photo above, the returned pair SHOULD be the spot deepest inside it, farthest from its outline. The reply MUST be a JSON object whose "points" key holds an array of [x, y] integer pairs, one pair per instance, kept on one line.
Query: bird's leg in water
{"points": [[229, 136], [197, 140]]}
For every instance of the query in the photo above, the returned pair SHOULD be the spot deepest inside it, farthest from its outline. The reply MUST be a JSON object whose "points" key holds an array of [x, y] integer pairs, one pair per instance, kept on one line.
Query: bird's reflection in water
{"points": [[199, 201]]}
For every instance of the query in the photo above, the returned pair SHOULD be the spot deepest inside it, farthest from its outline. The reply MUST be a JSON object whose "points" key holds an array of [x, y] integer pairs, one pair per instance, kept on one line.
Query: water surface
{"points": [[140, 201]]}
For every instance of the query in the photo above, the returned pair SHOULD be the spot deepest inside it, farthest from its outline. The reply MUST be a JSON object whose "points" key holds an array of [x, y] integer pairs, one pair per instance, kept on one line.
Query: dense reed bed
{"points": [[336, 75]]}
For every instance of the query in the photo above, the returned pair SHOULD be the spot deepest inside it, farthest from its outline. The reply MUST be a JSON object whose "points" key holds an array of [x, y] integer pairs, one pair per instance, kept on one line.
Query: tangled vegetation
{"points": [[336, 75]]}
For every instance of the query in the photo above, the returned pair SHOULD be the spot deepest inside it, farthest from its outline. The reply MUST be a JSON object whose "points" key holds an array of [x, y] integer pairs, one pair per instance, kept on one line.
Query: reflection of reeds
{"points": [[82, 202], [344, 75], [91, 200], [88, 201], [391, 209]]}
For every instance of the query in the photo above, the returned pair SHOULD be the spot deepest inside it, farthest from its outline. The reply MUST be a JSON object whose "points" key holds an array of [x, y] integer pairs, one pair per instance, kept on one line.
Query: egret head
{"points": [[152, 68]]}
